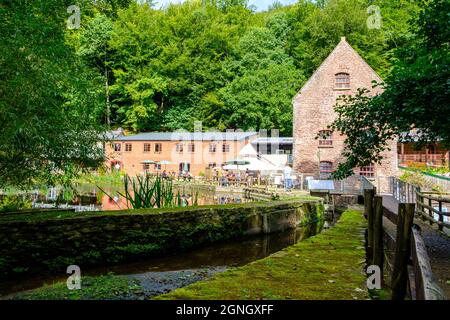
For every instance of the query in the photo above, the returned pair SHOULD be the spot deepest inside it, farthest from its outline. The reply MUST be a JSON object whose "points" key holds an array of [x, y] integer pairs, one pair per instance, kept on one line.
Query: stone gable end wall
{"points": [[314, 111]]}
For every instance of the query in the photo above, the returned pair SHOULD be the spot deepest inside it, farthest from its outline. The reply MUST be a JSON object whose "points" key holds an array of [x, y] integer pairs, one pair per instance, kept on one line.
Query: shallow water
{"points": [[91, 198], [162, 275]]}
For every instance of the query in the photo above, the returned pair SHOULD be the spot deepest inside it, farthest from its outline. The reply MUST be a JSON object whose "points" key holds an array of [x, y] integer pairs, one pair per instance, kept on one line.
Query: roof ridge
{"points": [[174, 136], [343, 42]]}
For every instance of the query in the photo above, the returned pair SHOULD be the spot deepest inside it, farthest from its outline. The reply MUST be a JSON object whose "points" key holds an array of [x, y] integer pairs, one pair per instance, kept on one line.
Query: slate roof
{"points": [[189, 136], [279, 140]]}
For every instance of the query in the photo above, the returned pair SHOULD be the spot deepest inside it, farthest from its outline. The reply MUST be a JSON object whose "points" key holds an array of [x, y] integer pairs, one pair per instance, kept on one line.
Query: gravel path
{"points": [[157, 283], [438, 248]]}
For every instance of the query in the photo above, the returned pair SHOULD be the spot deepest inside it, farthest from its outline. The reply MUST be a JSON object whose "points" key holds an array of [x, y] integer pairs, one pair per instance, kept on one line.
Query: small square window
{"points": [[147, 147], [225, 148], [117, 147], [180, 148], [368, 171], [191, 148], [128, 147], [212, 148], [158, 148]]}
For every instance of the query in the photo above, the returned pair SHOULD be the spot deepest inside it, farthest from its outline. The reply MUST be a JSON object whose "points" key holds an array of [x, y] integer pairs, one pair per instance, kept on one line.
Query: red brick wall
{"points": [[199, 160], [314, 111]]}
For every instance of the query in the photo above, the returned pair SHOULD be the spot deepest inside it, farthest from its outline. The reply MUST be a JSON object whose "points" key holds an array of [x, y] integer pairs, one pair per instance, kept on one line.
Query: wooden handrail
{"points": [[422, 198], [409, 245], [439, 199], [426, 287]]}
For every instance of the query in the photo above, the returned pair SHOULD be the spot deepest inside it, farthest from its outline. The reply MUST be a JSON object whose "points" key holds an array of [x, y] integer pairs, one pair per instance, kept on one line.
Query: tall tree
{"points": [[94, 49], [48, 130], [264, 82], [416, 100]]}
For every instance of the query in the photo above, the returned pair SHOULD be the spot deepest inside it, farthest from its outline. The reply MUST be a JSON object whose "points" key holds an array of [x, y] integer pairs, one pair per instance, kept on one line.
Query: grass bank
{"points": [[108, 287], [48, 242], [329, 266]]}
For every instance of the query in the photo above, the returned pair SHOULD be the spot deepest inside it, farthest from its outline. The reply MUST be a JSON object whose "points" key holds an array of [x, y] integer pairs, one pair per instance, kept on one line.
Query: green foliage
{"points": [[416, 96], [300, 272], [48, 131], [418, 179], [103, 179], [222, 63], [14, 203], [92, 288], [415, 179], [146, 192], [264, 81], [151, 69]]}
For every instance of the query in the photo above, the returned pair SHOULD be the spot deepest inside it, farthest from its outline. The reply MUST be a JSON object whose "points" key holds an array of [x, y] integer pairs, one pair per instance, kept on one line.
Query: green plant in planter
{"points": [[145, 192]]}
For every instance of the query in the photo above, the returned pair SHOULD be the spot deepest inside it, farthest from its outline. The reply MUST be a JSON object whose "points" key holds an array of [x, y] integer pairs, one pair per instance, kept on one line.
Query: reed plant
{"points": [[144, 192]]}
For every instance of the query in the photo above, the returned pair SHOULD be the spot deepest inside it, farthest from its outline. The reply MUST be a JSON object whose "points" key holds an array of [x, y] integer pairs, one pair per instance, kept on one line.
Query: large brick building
{"points": [[342, 73], [175, 151]]}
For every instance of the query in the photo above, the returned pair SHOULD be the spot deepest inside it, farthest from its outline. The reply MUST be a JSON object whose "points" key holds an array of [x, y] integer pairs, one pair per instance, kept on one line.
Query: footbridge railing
{"points": [[431, 206], [391, 225]]}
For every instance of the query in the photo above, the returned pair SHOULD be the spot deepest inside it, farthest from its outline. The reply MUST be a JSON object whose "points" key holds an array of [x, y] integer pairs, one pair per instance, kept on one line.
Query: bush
{"points": [[14, 203], [415, 179], [422, 167]]}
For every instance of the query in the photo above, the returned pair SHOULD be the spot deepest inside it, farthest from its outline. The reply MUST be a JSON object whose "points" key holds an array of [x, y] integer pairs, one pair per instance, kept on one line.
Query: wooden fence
{"points": [[434, 208], [409, 249], [431, 206]]}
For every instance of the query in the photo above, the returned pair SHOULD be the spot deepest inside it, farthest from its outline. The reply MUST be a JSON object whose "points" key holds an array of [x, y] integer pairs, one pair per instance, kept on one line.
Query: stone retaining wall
{"points": [[50, 245]]}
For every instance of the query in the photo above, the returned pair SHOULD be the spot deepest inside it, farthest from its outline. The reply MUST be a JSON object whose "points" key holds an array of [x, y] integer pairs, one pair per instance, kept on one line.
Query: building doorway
{"points": [[185, 166]]}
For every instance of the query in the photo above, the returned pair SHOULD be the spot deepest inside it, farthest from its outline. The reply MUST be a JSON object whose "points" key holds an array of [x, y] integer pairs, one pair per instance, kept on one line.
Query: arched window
{"points": [[325, 138], [326, 169], [342, 81]]}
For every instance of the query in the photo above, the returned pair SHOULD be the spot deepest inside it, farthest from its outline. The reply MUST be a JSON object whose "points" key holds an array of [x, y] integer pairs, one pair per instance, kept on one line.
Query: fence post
{"points": [[368, 212], [408, 190], [396, 187], [430, 211], [441, 217], [402, 250], [378, 253]]}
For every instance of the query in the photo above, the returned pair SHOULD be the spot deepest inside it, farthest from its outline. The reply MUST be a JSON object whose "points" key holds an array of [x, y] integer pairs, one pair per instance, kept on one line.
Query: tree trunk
{"points": [[108, 106]]}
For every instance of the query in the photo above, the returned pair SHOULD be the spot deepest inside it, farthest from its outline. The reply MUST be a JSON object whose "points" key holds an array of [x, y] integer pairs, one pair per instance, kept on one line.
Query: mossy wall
{"points": [[50, 245]]}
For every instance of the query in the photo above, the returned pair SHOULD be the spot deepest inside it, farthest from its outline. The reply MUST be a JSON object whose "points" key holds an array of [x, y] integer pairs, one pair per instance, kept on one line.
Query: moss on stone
{"points": [[107, 287], [329, 266], [98, 238]]}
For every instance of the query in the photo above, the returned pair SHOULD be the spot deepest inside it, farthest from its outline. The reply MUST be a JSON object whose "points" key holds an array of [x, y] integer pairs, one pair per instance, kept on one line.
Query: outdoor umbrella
{"points": [[237, 163], [260, 165], [148, 162], [165, 163]]}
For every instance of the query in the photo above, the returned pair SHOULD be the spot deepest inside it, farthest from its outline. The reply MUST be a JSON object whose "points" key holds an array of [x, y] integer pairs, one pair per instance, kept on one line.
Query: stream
{"points": [[162, 275]]}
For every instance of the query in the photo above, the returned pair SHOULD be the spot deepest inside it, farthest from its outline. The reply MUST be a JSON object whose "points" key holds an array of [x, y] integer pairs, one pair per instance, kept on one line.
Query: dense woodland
{"points": [[221, 62], [147, 68]]}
